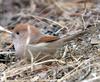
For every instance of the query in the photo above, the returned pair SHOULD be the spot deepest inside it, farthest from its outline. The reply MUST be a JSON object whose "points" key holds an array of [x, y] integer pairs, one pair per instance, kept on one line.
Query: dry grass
{"points": [[77, 61]]}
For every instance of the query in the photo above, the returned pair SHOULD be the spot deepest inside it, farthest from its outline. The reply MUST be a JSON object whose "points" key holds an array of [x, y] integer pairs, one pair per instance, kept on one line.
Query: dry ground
{"points": [[77, 61]]}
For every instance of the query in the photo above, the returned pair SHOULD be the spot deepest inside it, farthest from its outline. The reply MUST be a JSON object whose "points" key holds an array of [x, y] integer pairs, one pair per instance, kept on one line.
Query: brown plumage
{"points": [[40, 45]]}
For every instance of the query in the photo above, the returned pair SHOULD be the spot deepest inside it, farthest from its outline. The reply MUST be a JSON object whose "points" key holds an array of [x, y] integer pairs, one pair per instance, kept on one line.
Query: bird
{"points": [[38, 42], [30, 43]]}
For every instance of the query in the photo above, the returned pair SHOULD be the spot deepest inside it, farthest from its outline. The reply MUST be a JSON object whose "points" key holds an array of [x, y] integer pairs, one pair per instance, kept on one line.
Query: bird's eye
{"points": [[17, 33]]}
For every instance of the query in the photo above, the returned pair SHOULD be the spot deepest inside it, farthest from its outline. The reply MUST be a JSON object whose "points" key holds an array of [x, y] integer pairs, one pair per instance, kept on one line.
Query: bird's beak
{"points": [[5, 30]]}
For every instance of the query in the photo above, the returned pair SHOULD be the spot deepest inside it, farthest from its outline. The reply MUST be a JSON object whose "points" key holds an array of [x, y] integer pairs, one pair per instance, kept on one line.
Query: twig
{"points": [[32, 58], [65, 52], [25, 15], [92, 79], [75, 69], [7, 52], [5, 30]]}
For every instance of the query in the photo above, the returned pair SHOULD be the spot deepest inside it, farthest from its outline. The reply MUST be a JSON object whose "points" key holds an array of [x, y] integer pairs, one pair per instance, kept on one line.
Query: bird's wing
{"points": [[48, 38]]}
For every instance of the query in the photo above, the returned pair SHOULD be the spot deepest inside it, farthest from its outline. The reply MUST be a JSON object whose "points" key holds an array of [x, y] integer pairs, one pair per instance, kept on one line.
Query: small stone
{"points": [[95, 41]]}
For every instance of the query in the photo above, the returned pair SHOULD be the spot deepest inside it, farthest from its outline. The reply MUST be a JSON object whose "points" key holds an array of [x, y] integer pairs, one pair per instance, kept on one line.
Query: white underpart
{"points": [[41, 45], [38, 47]]}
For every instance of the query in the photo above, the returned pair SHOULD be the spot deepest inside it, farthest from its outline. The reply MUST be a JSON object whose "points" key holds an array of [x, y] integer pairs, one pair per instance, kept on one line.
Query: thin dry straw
{"points": [[5, 30]]}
